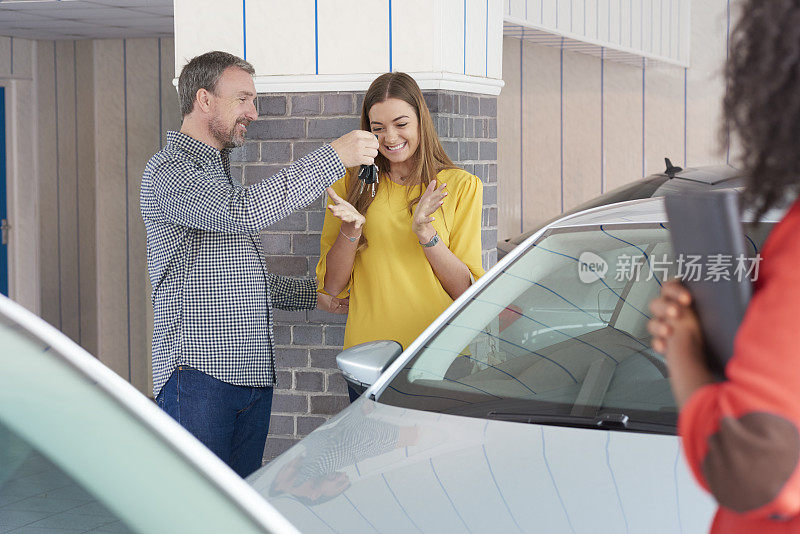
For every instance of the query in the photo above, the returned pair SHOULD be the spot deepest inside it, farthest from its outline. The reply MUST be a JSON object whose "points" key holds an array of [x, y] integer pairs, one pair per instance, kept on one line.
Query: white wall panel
{"points": [[274, 24], [663, 118], [67, 188], [616, 128], [414, 30], [5, 57], [205, 25], [87, 221], [574, 16], [585, 18], [615, 22], [112, 233], [517, 8], [637, 16], [21, 185], [622, 124], [704, 82], [495, 40], [541, 119], [662, 14], [77, 233], [477, 34], [658, 27], [548, 13], [535, 10], [22, 57], [170, 110], [344, 46], [47, 166], [509, 133], [453, 36], [581, 133], [142, 135], [650, 28], [626, 20], [564, 13], [23, 208]]}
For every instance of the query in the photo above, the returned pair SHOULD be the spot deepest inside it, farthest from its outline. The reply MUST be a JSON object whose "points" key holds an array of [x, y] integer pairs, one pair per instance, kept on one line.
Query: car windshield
{"points": [[560, 333]]}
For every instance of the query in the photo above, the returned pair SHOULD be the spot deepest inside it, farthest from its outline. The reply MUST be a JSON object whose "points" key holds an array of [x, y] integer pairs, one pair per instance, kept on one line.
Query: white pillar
{"points": [[341, 45]]}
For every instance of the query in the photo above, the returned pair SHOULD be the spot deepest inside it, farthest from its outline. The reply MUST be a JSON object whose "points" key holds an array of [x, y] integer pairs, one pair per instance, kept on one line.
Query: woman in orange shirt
{"points": [[741, 435]]}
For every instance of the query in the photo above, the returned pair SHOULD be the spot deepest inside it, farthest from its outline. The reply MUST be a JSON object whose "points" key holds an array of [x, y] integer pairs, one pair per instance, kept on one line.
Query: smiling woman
{"points": [[404, 251]]}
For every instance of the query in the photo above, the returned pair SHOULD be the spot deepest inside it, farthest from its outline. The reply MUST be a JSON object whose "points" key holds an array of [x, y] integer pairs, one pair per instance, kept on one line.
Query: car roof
{"points": [[646, 210], [704, 178], [707, 174]]}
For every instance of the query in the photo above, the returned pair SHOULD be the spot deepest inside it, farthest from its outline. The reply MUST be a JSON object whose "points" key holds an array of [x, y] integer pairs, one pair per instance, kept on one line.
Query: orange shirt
{"points": [[741, 435]]}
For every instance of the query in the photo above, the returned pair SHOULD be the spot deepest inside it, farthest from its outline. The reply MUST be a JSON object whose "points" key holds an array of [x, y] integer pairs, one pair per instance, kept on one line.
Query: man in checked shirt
{"points": [[213, 346]]}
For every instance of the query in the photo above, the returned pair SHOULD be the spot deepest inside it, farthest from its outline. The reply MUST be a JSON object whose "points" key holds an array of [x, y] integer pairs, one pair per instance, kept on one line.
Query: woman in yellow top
{"points": [[407, 252]]}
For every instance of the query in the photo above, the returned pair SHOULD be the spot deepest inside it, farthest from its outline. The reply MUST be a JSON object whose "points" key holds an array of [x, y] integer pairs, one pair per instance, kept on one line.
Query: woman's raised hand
{"points": [[430, 201], [345, 211]]}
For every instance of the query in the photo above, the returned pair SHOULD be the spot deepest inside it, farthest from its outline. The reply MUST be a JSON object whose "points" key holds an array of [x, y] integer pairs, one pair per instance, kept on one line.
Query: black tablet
{"points": [[708, 226]]}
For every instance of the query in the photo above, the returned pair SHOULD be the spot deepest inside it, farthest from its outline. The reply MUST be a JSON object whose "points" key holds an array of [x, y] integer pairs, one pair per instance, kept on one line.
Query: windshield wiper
{"points": [[604, 421]]}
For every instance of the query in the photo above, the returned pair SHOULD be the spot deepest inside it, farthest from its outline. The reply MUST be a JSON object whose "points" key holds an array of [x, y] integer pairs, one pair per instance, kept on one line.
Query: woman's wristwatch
{"points": [[432, 242]]}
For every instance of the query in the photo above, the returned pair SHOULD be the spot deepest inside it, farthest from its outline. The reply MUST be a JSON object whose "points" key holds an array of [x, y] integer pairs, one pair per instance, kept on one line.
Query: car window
{"points": [[36, 495], [560, 331], [120, 448]]}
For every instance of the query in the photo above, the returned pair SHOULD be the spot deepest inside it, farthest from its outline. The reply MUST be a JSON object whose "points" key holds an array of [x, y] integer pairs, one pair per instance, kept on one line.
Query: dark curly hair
{"points": [[762, 99]]}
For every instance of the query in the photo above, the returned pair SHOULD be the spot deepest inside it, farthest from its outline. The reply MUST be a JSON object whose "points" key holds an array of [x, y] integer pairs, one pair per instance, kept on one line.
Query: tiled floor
{"points": [[38, 498]]}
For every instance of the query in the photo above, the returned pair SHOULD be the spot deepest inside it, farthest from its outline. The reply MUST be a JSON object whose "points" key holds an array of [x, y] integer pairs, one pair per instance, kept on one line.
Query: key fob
{"points": [[368, 174]]}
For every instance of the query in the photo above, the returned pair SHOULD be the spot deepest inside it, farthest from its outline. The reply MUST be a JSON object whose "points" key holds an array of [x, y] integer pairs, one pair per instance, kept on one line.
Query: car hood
{"points": [[380, 468]]}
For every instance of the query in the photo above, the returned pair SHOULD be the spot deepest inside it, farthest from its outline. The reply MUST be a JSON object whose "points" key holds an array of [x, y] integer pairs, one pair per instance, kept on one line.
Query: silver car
{"points": [[81, 450], [533, 404]]}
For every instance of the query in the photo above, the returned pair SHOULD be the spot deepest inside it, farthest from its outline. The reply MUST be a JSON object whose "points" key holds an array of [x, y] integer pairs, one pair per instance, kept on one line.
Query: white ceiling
{"points": [[85, 19]]}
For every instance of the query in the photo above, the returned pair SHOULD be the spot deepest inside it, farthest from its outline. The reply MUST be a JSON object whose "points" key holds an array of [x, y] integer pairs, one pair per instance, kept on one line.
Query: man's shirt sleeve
{"points": [[187, 196], [292, 293]]}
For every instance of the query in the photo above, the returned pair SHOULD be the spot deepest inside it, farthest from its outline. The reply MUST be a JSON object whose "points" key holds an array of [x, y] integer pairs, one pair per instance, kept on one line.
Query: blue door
{"points": [[3, 204]]}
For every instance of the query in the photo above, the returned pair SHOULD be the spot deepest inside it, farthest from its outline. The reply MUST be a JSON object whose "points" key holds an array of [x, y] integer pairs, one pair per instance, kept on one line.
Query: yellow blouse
{"points": [[394, 293]]}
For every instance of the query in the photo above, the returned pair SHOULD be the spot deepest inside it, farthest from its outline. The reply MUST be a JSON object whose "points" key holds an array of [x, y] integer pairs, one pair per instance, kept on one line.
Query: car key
{"points": [[368, 174]]}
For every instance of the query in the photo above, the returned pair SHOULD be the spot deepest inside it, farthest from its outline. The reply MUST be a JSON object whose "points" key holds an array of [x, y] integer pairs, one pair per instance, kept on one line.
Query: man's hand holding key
{"points": [[356, 148]]}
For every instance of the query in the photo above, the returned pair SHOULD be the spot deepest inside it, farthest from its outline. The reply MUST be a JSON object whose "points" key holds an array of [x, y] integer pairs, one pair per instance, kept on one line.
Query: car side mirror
{"points": [[361, 365]]}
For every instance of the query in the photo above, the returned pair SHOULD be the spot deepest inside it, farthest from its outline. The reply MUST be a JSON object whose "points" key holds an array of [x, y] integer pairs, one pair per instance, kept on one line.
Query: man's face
{"points": [[232, 107]]}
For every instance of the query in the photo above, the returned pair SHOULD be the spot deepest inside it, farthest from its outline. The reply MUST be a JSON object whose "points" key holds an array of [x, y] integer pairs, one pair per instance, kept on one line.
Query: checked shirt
{"points": [[212, 295]]}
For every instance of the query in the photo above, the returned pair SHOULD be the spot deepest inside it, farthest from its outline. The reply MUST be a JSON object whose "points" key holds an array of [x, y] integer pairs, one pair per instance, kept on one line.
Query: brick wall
{"points": [[310, 388]]}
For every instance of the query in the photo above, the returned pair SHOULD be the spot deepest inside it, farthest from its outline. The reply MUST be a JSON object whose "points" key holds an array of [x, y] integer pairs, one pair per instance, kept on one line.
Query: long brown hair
{"points": [[762, 100], [429, 158]]}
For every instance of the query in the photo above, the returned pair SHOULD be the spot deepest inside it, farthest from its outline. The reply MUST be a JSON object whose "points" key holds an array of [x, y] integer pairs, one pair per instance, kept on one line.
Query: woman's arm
{"points": [[342, 254], [452, 273], [740, 436]]}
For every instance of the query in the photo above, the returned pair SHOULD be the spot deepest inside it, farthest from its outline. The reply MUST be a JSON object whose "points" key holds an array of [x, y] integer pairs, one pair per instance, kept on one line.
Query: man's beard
{"points": [[228, 138]]}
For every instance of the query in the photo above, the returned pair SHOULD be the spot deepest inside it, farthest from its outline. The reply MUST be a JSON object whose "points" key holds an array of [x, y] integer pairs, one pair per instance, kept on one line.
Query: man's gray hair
{"points": [[203, 72]]}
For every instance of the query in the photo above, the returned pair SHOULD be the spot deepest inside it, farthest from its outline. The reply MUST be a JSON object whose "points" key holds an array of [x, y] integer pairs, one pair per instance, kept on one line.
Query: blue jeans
{"points": [[230, 420]]}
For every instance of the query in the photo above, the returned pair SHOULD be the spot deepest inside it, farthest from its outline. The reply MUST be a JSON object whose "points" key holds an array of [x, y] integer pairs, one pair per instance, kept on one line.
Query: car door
{"points": [[77, 441]]}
